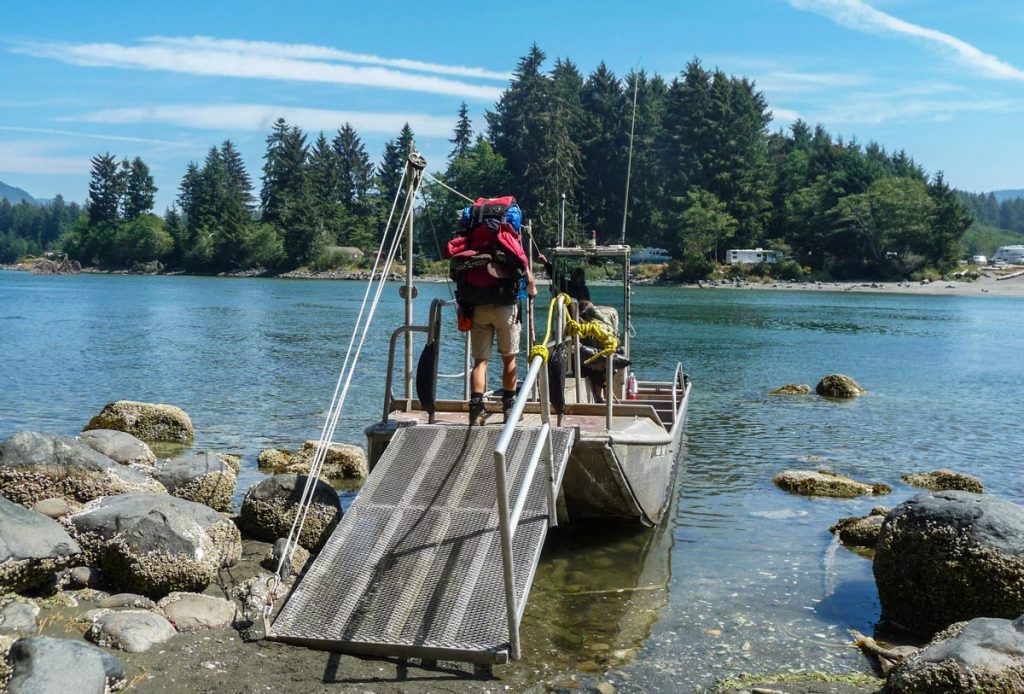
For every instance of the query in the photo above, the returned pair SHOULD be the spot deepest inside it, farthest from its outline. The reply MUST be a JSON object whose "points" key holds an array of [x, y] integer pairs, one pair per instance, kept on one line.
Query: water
{"points": [[743, 578]]}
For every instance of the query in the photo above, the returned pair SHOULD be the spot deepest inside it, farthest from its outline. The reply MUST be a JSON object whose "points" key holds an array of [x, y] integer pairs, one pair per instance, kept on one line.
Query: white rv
{"points": [[649, 255], [1009, 255], [748, 256]]}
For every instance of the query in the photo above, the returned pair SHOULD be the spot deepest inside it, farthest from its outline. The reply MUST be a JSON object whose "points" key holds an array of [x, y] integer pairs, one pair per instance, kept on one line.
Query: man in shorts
{"points": [[503, 322]]}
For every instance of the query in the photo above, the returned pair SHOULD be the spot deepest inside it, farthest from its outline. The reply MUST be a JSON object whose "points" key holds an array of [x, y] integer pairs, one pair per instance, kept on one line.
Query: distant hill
{"points": [[15, 195], [1008, 194]]}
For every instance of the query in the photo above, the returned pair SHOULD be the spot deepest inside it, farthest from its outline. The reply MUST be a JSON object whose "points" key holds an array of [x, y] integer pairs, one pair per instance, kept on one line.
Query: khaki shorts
{"points": [[489, 319]]}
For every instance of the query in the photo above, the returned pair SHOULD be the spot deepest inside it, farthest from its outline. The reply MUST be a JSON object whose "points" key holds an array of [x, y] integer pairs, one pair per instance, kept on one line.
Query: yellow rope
{"points": [[589, 329]]}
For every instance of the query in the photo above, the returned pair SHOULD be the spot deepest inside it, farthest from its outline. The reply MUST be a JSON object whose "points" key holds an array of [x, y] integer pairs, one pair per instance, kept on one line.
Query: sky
{"points": [[941, 79]]}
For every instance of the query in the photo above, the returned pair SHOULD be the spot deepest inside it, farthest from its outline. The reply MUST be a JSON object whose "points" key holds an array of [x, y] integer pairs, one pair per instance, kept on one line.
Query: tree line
{"points": [[707, 175]]}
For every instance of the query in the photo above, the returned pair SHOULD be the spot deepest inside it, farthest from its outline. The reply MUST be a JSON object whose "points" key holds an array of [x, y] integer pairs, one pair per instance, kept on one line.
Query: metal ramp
{"points": [[415, 566]]}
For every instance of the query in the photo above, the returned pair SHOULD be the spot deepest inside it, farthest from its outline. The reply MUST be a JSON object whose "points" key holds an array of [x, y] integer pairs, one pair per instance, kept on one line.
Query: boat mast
{"points": [[629, 161]]}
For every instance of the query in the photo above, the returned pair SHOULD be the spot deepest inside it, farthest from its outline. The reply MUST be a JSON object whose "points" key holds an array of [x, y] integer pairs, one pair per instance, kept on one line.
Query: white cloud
{"points": [[261, 117], [35, 158], [885, 108], [855, 14], [785, 115], [95, 136], [312, 52], [215, 61]]}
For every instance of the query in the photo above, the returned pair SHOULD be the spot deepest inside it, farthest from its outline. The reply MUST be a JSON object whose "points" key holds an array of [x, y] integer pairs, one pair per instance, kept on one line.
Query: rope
{"points": [[345, 377], [441, 183], [589, 329]]}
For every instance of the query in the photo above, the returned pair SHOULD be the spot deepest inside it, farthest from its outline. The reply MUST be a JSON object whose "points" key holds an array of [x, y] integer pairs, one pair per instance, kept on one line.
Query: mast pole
{"points": [[408, 281], [629, 162]]}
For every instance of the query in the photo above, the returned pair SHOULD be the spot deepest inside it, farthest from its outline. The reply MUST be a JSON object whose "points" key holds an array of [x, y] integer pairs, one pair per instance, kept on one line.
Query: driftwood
{"points": [[888, 658]]}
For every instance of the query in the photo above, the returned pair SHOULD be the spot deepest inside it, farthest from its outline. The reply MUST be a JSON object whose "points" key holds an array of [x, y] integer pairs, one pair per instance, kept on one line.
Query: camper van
{"points": [[1009, 255], [748, 256]]}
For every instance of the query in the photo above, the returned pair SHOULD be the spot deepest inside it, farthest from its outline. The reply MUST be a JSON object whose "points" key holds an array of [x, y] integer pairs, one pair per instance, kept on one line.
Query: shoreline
{"points": [[988, 284]]}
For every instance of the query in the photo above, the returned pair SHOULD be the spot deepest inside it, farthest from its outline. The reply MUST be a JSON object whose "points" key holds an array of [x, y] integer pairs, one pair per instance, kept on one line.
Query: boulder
{"points": [[32, 547], [84, 577], [269, 508], [119, 446], [52, 508], [202, 477], [944, 557], [132, 631], [194, 612], [36, 466], [860, 531], [791, 389], [342, 461], [983, 655], [42, 665], [155, 544], [149, 422], [942, 480], [273, 459], [825, 483], [838, 386], [18, 616]]}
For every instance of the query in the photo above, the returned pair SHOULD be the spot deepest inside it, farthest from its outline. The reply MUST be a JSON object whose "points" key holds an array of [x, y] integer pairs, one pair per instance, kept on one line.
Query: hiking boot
{"points": [[506, 406], [477, 412]]}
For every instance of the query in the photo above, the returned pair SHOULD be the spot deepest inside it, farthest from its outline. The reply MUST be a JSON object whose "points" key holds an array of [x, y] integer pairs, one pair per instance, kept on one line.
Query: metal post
{"points": [[435, 334], [577, 362], [561, 224], [408, 286], [506, 555], [609, 390], [548, 454], [467, 367]]}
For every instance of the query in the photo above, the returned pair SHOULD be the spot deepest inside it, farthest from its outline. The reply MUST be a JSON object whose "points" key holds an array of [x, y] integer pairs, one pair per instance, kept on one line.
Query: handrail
{"points": [[433, 331], [508, 521]]}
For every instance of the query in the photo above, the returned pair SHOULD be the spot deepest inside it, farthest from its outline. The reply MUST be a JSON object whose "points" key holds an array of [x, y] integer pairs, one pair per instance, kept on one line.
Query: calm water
{"points": [[743, 579]]}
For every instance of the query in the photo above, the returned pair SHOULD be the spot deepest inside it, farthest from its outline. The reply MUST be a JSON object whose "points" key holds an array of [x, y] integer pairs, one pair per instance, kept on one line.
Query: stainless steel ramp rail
{"points": [[415, 567]]}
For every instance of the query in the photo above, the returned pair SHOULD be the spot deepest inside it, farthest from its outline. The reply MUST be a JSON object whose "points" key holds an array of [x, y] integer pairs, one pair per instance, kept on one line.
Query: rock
{"points": [[18, 616], [132, 631], [269, 510], [275, 459], [119, 446], [342, 461], [838, 386], [156, 544], [36, 466], [232, 460], [53, 508], [791, 389], [860, 532], [944, 557], [42, 665], [298, 562], [194, 612], [986, 655], [942, 480], [129, 600], [203, 478], [252, 593], [825, 483], [32, 547], [149, 422], [84, 577]]}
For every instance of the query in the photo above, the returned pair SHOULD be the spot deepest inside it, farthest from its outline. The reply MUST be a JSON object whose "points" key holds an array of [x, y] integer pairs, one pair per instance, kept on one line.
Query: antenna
{"points": [[629, 162]]}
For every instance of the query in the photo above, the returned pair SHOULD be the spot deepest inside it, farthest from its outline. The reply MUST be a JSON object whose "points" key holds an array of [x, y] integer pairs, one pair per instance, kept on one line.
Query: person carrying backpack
{"points": [[489, 267]]}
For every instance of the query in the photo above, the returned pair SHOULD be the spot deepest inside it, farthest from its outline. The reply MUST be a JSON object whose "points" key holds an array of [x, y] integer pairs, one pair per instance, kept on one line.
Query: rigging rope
{"points": [[348, 369], [441, 183]]}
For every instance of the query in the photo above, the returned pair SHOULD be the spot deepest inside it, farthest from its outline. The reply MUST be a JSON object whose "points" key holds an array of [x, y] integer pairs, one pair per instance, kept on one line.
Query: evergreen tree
{"points": [[139, 189], [105, 188], [462, 138], [604, 152], [357, 194], [285, 196], [326, 189]]}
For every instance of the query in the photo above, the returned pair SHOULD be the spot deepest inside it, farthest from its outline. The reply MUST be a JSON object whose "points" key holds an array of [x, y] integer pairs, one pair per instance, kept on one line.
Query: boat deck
{"points": [[415, 568]]}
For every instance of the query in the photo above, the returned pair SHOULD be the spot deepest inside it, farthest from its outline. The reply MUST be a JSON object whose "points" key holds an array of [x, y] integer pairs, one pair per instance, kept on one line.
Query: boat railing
{"points": [[510, 510], [678, 384], [433, 331]]}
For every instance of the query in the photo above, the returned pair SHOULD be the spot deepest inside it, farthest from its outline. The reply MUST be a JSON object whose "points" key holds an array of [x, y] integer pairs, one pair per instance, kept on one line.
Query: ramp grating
{"points": [[414, 567]]}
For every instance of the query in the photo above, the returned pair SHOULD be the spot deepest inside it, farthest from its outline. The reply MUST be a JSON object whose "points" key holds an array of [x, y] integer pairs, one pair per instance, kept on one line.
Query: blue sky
{"points": [[943, 80]]}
